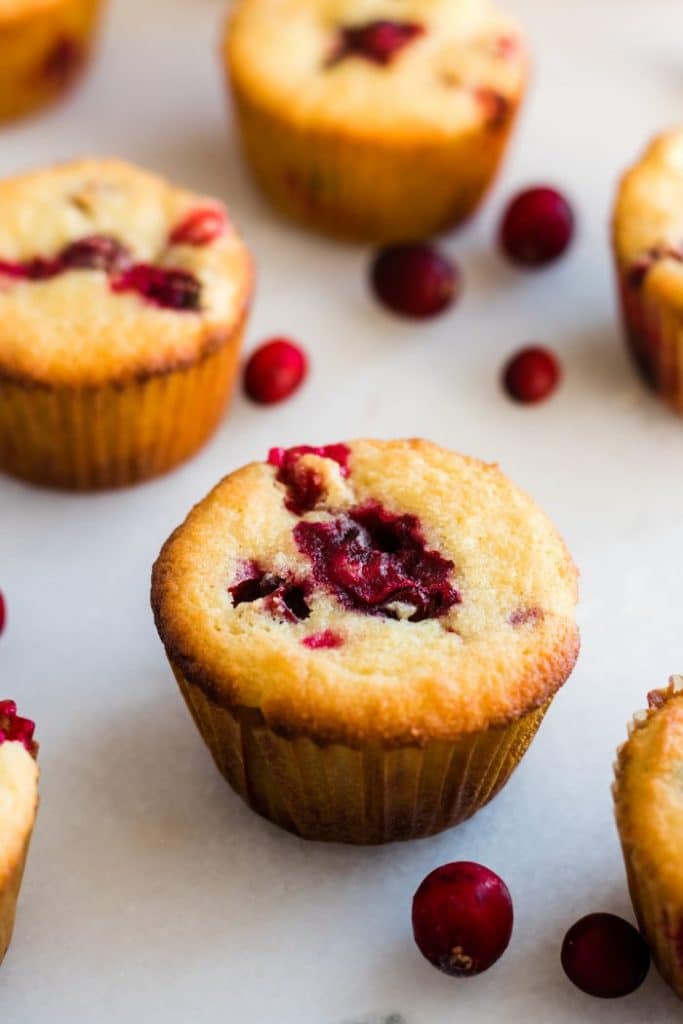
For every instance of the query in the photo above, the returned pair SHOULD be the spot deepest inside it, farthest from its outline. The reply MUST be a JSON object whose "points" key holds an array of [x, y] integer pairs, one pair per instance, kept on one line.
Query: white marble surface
{"points": [[151, 893]]}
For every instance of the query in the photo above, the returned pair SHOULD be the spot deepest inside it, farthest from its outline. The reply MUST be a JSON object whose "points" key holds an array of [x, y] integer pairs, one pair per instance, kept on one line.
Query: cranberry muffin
{"points": [[122, 306], [375, 121], [18, 806], [649, 813], [648, 249], [367, 635], [44, 45]]}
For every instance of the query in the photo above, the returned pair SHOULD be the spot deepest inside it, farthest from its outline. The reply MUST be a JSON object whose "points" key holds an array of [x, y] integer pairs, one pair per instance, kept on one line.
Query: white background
{"points": [[151, 893]]}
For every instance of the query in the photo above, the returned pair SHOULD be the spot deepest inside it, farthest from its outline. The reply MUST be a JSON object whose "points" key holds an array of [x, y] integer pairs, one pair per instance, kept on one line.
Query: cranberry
{"points": [[96, 252], [15, 728], [537, 227], [532, 375], [328, 639], [275, 371], [170, 289], [415, 279], [377, 41], [200, 227], [605, 956], [303, 484], [3, 612], [462, 918], [373, 560], [286, 600]]}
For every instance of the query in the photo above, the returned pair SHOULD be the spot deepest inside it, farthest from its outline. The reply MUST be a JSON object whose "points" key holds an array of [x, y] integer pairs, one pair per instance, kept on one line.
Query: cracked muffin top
{"points": [[388, 66], [108, 272], [648, 219], [389, 589]]}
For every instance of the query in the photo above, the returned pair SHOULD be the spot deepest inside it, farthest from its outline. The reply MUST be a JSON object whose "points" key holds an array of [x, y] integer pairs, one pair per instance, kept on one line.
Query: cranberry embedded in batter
{"points": [[377, 41]]}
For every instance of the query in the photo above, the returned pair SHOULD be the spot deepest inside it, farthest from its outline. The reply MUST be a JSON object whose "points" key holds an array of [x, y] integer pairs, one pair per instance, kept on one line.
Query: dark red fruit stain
{"points": [[304, 485], [537, 227], [605, 956], [462, 918], [526, 616], [167, 288], [496, 108], [63, 62], [532, 375], [3, 612], [327, 640], [285, 599], [370, 558], [96, 252], [201, 227], [415, 279], [376, 41], [15, 728], [639, 270], [275, 371]]}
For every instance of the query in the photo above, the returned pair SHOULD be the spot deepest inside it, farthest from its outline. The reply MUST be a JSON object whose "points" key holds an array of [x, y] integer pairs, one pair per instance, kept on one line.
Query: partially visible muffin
{"points": [[382, 120], [18, 807], [44, 46], [368, 635], [648, 798], [648, 250], [122, 306]]}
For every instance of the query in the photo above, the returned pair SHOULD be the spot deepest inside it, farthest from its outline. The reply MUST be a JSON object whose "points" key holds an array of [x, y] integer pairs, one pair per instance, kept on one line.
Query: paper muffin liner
{"points": [[654, 335], [660, 920], [9, 895], [365, 795], [44, 49], [117, 434], [370, 189]]}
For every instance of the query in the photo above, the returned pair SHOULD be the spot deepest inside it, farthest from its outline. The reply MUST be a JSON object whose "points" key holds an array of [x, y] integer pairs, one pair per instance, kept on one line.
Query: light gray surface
{"points": [[152, 894]]}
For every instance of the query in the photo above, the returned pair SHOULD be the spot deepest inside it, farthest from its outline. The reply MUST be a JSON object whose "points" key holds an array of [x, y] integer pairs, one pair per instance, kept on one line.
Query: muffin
{"points": [[18, 806], [649, 813], [367, 635], [122, 306], [44, 45], [648, 248], [381, 121]]}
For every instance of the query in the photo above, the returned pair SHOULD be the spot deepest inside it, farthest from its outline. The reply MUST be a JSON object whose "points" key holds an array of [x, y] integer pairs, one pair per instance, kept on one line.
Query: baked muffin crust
{"points": [[498, 649]]}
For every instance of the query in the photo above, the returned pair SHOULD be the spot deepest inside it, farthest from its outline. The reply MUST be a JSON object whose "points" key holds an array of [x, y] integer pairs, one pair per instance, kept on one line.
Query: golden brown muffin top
{"points": [[648, 219], [378, 66], [18, 802], [648, 791], [108, 272], [385, 589]]}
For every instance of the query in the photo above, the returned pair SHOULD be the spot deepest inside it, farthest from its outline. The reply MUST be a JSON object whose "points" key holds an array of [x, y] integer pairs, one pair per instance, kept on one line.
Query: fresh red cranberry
{"points": [[373, 560], [201, 227], [605, 956], [275, 371], [415, 279], [532, 375], [168, 288], [328, 639], [96, 252], [537, 227], [462, 918], [14, 728], [303, 484], [377, 41], [3, 612]]}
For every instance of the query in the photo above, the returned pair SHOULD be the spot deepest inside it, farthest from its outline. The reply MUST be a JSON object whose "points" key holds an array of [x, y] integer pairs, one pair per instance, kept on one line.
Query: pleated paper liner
{"points": [[367, 795], [9, 895], [369, 189], [45, 50], [117, 434], [660, 920], [654, 336]]}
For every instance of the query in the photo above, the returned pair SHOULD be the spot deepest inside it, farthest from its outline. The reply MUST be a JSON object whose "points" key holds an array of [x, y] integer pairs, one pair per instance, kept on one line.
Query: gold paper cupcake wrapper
{"points": [[660, 921], [44, 51], [113, 435], [9, 895], [654, 335], [369, 795], [369, 190]]}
